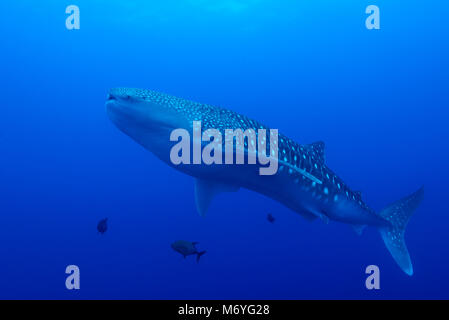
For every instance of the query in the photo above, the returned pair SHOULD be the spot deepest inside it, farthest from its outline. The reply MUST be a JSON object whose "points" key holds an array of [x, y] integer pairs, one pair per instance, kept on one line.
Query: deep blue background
{"points": [[379, 99]]}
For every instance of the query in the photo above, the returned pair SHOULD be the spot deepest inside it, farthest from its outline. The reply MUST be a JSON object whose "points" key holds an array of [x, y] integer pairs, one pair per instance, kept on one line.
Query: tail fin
{"points": [[198, 255], [398, 214]]}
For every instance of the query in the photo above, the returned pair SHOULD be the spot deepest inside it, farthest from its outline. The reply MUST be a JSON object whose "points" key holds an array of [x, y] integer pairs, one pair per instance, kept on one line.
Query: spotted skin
{"points": [[303, 165], [302, 183]]}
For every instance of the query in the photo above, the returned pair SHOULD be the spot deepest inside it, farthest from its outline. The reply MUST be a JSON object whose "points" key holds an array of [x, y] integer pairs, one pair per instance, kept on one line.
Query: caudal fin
{"points": [[398, 214], [198, 255]]}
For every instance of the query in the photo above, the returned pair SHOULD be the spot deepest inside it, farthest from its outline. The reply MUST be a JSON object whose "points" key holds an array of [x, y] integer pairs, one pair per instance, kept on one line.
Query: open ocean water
{"points": [[378, 98]]}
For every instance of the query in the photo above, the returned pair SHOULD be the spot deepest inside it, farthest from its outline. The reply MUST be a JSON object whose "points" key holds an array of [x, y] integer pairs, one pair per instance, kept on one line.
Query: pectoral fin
{"points": [[205, 190]]}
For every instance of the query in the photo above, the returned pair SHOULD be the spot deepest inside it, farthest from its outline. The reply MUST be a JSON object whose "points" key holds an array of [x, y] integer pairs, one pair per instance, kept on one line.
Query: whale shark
{"points": [[302, 183]]}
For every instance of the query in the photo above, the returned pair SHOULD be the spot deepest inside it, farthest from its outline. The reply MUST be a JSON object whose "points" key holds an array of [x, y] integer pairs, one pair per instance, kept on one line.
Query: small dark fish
{"points": [[270, 218], [102, 226], [187, 248]]}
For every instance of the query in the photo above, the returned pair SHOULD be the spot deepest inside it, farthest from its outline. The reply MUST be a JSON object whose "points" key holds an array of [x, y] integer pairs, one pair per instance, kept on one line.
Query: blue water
{"points": [[378, 98]]}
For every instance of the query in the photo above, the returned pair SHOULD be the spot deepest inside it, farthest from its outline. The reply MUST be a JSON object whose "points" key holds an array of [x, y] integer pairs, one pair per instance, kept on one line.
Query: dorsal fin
{"points": [[317, 149]]}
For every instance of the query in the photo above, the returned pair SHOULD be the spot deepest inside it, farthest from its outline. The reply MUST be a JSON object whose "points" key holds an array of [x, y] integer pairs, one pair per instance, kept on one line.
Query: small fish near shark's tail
{"points": [[398, 214], [198, 255]]}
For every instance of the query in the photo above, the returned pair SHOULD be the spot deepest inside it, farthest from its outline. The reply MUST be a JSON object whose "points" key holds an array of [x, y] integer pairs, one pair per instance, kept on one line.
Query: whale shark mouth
{"points": [[111, 98]]}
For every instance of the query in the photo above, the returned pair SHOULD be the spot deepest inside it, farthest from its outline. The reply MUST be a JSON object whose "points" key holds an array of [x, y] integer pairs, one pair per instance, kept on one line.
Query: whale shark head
{"points": [[144, 110], [146, 116]]}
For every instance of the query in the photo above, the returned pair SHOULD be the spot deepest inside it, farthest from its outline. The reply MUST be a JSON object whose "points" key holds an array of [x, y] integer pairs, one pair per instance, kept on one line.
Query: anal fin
{"points": [[324, 217], [320, 214], [358, 228]]}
